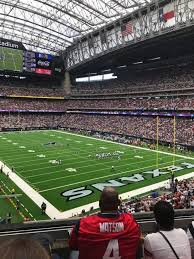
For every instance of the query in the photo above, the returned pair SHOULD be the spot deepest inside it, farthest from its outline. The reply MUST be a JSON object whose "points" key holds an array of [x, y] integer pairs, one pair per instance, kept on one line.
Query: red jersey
{"points": [[106, 236]]}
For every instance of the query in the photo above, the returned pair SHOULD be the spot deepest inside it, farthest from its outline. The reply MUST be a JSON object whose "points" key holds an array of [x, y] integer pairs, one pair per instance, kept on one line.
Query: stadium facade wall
{"points": [[145, 23]]}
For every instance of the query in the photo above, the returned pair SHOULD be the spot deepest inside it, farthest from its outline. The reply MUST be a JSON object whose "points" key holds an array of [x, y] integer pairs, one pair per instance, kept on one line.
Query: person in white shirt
{"points": [[190, 234], [168, 242]]}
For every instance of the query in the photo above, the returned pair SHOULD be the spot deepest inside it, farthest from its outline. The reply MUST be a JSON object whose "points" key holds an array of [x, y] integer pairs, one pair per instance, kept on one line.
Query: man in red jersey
{"points": [[107, 235]]}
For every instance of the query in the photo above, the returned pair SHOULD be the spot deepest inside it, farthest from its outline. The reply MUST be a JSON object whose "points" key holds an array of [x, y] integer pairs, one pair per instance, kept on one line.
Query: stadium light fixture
{"points": [[154, 58], [122, 66], [106, 70], [136, 63]]}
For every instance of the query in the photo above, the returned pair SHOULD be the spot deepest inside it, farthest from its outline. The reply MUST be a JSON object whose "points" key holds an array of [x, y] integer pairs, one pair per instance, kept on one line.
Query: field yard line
{"points": [[142, 148], [65, 151], [69, 155], [98, 170], [74, 164], [49, 151], [101, 177], [126, 195], [32, 176], [63, 160], [51, 211]]}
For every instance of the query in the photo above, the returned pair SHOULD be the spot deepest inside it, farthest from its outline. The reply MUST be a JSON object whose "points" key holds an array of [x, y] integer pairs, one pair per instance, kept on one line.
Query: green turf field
{"points": [[32, 158], [11, 59]]}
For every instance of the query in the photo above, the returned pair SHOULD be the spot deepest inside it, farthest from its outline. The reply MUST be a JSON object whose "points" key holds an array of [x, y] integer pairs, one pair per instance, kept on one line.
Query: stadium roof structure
{"points": [[52, 25]]}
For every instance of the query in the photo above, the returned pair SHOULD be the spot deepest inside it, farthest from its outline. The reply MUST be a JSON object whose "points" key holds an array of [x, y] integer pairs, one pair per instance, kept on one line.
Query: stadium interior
{"points": [[94, 94]]}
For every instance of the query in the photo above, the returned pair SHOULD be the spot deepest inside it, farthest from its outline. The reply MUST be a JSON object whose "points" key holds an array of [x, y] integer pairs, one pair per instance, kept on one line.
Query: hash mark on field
{"points": [[89, 144], [41, 155], [15, 143], [31, 151], [22, 147], [78, 141], [71, 170], [120, 152], [103, 147]]}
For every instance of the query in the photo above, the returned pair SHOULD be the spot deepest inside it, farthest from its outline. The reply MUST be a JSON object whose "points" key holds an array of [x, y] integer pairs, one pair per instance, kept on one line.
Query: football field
{"points": [[11, 59], [70, 170]]}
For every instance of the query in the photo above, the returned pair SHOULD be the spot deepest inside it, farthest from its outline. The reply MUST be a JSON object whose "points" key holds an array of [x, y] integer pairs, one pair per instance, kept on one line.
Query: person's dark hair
{"points": [[22, 248], [164, 215], [45, 240], [109, 200]]}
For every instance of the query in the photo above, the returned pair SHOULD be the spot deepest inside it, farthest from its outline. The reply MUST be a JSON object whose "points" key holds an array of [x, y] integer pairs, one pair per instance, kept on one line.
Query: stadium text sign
{"points": [[123, 181], [11, 44], [8, 44]]}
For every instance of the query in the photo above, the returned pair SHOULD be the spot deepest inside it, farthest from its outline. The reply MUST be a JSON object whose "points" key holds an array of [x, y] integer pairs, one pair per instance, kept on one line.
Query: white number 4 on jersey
{"points": [[112, 248]]}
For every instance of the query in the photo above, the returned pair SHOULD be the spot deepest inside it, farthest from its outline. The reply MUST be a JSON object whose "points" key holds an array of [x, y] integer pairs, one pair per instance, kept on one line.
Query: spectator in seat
{"points": [[190, 234], [47, 242], [22, 249], [168, 242], [108, 234]]}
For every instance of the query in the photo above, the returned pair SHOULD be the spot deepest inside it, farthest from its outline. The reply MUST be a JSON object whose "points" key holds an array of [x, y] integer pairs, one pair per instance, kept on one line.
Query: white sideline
{"points": [[51, 211]]}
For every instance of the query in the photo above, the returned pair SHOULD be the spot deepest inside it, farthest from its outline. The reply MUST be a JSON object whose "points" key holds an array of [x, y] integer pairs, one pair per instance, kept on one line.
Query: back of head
{"points": [[22, 248], [164, 215], [109, 200], [45, 240]]}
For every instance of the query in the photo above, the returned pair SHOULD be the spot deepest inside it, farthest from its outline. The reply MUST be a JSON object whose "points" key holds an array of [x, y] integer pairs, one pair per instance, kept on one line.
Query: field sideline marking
{"points": [[128, 145], [101, 177], [51, 211], [21, 214]]}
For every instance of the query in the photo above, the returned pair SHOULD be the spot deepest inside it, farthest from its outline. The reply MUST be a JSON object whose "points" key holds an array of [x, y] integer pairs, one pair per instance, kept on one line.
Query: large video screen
{"points": [[11, 59], [15, 58], [38, 63]]}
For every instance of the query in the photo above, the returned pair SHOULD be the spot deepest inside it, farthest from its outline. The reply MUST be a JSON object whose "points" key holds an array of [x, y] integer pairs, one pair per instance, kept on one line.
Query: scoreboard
{"points": [[38, 63], [15, 58]]}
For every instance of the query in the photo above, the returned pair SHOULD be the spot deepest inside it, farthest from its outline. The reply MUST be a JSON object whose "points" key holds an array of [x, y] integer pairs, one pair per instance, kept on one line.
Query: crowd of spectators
{"points": [[177, 103], [128, 81], [29, 91], [32, 104], [178, 77], [182, 197], [142, 127], [184, 102]]}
